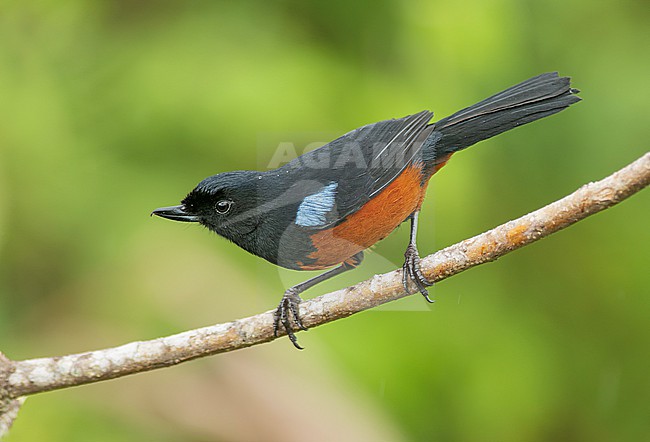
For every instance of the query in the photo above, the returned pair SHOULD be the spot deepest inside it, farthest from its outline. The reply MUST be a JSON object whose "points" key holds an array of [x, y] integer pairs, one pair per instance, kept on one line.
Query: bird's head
{"points": [[224, 203]]}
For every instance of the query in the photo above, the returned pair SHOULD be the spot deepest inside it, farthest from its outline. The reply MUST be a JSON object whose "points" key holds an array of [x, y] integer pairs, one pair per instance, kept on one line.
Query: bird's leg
{"points": [[411, 268], [289, 305]]}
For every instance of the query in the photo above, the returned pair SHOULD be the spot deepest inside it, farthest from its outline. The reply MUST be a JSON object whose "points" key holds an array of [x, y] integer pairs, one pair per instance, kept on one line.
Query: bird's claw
{"points": [[411, 270], [288, 307]]}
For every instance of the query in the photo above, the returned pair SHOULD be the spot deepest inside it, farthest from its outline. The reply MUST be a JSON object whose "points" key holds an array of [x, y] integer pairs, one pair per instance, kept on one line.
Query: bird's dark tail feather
{"points": [[535, 98]]}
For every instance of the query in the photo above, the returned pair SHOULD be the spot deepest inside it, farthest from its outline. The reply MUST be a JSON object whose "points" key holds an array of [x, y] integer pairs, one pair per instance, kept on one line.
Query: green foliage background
{"points": [[109, 109]]}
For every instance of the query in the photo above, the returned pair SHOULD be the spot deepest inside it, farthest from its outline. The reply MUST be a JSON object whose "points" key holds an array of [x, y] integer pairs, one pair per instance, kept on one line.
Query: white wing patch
{"points": [[313, 210]]}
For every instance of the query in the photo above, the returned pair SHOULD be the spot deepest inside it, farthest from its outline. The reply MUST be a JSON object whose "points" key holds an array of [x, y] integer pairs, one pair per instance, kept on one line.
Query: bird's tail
{"points": [[535, 98]]}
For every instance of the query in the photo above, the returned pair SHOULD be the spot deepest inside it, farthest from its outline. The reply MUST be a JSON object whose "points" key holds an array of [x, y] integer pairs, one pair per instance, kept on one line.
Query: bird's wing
{"points": [[352, 169]]}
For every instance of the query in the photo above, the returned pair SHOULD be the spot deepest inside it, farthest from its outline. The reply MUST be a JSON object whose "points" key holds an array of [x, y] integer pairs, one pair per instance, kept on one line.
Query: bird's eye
{"points": [[223, 206]]}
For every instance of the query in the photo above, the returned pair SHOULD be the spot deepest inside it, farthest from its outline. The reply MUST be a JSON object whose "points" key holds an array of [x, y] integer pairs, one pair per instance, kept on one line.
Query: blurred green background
{"points": [[109, 109]]}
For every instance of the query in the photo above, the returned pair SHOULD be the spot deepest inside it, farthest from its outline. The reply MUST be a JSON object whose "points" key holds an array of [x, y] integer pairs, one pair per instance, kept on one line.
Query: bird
{"points": [[321, 210]]}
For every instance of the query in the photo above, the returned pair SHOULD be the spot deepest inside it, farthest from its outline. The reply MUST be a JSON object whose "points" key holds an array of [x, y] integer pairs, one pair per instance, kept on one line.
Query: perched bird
{"points": [[324, 208]]}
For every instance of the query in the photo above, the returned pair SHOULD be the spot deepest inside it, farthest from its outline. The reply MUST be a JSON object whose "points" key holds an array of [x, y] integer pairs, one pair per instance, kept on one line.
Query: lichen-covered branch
{"points": [[8, 406], [21, 378], [8, 413]]}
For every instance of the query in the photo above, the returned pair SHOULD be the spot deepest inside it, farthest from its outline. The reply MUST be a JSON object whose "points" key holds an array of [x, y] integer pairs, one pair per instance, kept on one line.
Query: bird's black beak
{"points": [[176, 213]]}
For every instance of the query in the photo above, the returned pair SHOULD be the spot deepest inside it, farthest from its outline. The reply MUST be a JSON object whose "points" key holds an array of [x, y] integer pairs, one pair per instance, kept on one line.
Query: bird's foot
{"points": [[289, 307], [411, 269]]}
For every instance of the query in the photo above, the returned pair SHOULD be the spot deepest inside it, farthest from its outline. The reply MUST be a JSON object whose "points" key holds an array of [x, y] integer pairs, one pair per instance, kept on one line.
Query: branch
{"points": [[8, 406], [21, 378]]}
